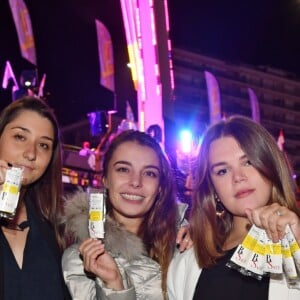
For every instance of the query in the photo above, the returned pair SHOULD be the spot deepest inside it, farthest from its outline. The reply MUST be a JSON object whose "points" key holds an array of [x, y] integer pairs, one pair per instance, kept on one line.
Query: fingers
{"points": [[97, 261], [183, 239], [181, 234], [273, 218], [3, 168], [90, 250], [185, 244]]}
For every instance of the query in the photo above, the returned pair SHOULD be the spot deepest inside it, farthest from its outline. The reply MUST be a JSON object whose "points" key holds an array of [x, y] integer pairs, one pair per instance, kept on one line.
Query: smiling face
{"points": [[27, 141], [237, 183], [132, 181]]}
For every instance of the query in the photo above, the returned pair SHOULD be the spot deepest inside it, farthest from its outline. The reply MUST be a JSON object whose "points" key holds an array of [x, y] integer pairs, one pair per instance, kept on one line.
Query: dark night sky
{"points": [[257, 32]]}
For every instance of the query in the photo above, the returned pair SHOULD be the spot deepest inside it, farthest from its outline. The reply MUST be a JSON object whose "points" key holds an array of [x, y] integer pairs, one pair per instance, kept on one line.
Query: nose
{"points": [[136, 180], [30, 153], [238, 176]]}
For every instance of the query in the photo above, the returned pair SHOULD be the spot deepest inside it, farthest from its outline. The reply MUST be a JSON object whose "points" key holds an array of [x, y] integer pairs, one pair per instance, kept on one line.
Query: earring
{"points": [[220, 210]]}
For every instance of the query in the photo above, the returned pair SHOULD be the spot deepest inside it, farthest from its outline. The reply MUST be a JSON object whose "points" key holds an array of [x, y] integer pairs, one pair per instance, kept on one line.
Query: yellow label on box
{"points": [[12, 189], [273, 249], [249, 242], [96, 215]]}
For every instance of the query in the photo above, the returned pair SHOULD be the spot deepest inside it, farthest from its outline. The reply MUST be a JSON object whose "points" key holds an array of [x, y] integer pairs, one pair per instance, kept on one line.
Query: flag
{"points": [[280, 140], [106, 58], [23, 25], [129, 112], [129, 122], [41, 86], [254, 106], [213, 97], [9, 74]]}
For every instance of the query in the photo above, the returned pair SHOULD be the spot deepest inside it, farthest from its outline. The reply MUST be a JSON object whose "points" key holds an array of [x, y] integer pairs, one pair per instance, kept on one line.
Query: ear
{"points": [[104, 181]]}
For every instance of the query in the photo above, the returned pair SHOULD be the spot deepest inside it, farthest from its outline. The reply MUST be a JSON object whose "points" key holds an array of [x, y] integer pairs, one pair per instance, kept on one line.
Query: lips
{"points": [[29, 168], [243, 193], [132, 197], [24, 167]]}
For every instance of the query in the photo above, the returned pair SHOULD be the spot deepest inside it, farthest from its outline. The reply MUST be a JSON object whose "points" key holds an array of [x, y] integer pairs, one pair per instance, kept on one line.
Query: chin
{"points": [[27, 181]]}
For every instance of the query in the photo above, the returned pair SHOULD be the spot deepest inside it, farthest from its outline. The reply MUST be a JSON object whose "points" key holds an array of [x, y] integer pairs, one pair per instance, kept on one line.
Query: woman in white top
{"points": [[241, 178]]}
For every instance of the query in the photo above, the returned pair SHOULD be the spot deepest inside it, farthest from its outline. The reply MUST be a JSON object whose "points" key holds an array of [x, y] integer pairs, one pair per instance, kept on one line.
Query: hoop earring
{"points": [[220, 210]]}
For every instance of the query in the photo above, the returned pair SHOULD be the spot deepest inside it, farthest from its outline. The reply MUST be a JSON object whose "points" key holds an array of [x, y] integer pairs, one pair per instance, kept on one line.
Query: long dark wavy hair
{"points": [[158, 229], [46, 192], [209, 231]]}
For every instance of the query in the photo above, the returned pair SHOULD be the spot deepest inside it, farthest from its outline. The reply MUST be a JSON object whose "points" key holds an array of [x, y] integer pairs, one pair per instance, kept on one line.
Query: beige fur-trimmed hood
{"points": [[118, 241]]}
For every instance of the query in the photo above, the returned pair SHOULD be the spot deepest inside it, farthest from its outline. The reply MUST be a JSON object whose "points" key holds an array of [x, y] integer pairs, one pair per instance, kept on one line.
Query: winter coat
{"points": [[141, 274]]}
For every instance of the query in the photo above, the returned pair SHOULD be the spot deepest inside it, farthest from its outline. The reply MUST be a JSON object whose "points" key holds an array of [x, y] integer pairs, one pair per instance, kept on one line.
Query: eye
{"points": [[248, 163], [45, 146], [122, 169], [19, 137], [221, 172], [151, 173]]}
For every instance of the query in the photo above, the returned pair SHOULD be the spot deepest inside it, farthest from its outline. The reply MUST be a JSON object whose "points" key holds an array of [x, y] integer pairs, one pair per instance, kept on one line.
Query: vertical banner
{"points": [[214, 98], [280, 144], [280, 140], [254, 106], [106, 58], [41, 86], [9, 74], [129, 112], [23, 25]]}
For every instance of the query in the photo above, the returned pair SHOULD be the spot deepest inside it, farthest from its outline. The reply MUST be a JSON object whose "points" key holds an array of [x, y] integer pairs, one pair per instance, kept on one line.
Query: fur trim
{"points": [[118, 241], [76, 216]]}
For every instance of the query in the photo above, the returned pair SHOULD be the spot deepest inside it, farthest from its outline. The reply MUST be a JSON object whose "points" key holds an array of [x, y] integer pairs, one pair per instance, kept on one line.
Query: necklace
{"points": [[12, 226]]}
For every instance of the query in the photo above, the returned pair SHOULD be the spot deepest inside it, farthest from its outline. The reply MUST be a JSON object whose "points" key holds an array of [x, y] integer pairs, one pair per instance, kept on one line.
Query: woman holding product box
{"points": [[241, 179], [30, 242], [140, 230]]}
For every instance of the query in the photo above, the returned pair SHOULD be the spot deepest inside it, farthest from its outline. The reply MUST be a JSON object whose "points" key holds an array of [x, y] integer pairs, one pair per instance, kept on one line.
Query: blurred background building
{"points": [[278, 95]]}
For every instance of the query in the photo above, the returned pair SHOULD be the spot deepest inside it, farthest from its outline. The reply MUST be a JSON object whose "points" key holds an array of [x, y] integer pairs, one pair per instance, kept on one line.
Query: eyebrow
{"points": [[129, 164], [217, 165], [222, 163], [27, 130]]}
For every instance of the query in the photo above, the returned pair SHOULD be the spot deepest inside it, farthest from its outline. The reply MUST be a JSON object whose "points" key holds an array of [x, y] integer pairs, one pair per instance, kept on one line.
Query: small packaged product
{"points": [[258, 256], [9, 195], [273, 260], [248, 258], [295, 249], [97, 212], [292, 265]]}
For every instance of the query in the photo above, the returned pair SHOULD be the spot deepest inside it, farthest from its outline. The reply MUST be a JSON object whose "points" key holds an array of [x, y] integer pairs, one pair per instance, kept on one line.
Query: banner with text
{"points": [[24, 29], [106, 57]]}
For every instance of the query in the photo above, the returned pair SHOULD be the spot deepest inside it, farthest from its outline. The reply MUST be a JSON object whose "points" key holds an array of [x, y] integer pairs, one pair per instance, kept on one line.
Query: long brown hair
{"points": [[209, 231], [158, 229], [47, 190]]}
